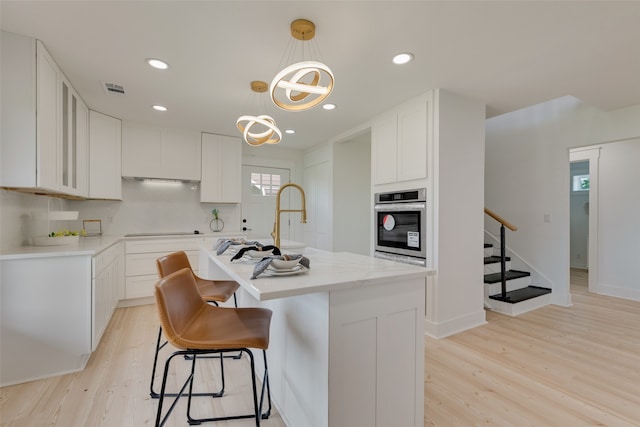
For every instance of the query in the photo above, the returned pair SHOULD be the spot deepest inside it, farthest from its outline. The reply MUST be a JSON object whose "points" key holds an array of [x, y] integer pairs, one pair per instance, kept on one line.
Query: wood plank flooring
{"points": [[556, 366]]}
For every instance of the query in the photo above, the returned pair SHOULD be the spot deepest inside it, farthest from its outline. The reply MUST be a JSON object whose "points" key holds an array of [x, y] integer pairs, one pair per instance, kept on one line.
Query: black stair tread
{"points": [[510, 275], [494, 258], [520, 295], [488, 245]]}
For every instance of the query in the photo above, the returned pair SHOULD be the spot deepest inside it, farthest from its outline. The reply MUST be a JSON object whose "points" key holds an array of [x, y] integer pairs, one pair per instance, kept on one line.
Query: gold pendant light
{"points": [[305, 84], [261, 129]]}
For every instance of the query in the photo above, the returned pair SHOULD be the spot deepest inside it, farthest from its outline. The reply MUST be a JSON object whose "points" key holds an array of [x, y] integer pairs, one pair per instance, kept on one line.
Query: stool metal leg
{"points": [[155, 395]]}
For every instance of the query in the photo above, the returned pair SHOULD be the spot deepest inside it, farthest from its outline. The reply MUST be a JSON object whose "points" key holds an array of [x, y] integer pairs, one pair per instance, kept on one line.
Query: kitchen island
{"points": [[347, 337]]}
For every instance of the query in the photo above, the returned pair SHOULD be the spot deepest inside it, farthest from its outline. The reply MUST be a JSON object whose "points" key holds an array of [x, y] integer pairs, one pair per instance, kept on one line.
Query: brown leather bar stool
{"points": [[196, 328], [212, 291]]}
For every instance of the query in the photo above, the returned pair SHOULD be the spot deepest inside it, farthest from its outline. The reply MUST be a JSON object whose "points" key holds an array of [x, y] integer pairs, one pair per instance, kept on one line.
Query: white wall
{"points": [[619, 219], [455, 296], [16, 224], [154, 208], [352, 202], [526, 174], [318, 183]]}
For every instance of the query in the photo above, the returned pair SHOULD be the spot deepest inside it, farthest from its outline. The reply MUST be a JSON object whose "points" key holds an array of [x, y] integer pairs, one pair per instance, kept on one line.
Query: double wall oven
{"points": [[400, 220]]}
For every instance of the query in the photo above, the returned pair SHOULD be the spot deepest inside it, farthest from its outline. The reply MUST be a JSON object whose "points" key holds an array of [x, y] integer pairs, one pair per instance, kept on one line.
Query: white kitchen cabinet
{"points": [[399, 142], [105, 171], [44, 122], [140, 260], [221, 169], [164, 153], [106, 285]]}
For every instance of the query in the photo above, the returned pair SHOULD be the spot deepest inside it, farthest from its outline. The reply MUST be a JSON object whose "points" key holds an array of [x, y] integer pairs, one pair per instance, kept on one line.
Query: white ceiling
{"points": [[508, 54]]}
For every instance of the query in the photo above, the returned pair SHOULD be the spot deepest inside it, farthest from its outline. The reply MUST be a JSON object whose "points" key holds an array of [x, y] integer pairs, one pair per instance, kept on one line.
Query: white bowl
{"points": [[281, 264], [259, 254]]}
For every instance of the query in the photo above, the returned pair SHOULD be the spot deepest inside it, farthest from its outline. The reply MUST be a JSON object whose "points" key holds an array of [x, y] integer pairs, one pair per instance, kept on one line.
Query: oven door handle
{"points": [[400, 207]]}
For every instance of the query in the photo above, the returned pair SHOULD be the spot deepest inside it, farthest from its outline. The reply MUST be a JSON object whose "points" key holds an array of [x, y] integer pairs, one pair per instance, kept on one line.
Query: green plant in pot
{"points": [[216, 223]]}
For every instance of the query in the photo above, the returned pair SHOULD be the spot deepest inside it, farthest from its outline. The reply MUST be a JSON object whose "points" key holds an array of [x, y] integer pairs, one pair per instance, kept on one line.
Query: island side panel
{"points": [[376, 356], [298, 356], [45, 317]]}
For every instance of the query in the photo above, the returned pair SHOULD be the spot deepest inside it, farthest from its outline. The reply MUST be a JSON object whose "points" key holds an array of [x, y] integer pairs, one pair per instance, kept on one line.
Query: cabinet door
{"points": [[221, 169], [412, 140], [384, 149], [47, 125], [181, 154], [141, 150], [74, 117], [105, 172]]}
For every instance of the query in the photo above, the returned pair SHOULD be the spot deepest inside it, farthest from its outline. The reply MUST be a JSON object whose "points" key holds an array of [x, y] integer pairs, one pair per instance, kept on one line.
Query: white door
{"points": [[260, 186]]}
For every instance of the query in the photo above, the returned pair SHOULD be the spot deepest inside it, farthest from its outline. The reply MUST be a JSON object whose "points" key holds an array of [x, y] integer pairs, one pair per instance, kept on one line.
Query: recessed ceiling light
{"points": [[158, 64], [403, 58], [159, 108], [290, 131], [329, 106]]}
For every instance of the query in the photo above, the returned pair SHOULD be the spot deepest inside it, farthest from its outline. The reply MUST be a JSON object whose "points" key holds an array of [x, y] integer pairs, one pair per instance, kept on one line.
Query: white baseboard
{"points": [[453, 326], [613, 291]]}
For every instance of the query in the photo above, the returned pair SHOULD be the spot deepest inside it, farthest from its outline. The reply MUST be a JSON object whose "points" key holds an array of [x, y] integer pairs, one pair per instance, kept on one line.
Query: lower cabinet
{"points": [[141, 256], [107, 288]]}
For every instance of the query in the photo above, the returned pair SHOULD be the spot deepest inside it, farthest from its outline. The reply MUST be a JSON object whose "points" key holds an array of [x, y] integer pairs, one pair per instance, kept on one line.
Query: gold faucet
{"points": [[276, 226]]}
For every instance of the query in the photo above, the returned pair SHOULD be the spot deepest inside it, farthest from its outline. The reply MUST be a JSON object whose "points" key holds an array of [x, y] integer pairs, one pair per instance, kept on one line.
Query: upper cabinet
{"points": [[399, 142], [221, 169], [44, 122], [155, 152], [105, 176]]}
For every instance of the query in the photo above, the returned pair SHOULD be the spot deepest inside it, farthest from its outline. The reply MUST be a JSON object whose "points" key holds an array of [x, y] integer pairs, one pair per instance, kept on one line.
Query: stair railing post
{"points": [[503, 261]]}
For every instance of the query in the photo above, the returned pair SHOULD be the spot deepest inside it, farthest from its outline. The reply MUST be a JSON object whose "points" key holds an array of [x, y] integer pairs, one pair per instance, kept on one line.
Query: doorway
{"points": [[260, 186], [584, 209]]}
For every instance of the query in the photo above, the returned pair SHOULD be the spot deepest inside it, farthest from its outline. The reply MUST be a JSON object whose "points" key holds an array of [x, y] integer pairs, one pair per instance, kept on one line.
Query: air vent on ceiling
{"points": [[113, 88]]}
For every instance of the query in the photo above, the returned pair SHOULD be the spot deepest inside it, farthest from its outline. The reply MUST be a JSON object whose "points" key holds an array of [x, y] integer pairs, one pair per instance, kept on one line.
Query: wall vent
{"points": [[114, 89]]}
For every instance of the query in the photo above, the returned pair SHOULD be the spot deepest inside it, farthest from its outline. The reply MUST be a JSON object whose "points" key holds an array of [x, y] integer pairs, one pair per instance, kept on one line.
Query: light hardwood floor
{"points": [[556, 366]]}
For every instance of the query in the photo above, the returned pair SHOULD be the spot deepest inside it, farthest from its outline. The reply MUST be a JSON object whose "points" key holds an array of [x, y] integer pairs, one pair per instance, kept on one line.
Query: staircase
{"points": [[520, 295]]}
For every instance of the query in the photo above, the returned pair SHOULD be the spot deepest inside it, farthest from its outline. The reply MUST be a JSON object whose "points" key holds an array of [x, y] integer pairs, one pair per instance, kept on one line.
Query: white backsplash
{"points": [[144, 209]]}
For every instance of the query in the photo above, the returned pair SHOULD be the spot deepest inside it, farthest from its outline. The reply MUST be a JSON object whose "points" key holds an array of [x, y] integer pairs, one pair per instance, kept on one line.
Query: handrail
{"points": [[500, 219], [503, 249]]}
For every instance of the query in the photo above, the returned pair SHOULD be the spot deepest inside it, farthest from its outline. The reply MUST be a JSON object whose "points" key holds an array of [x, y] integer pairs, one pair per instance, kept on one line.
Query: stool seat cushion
{"points": [[216, 290], [190, 323], [211, 290]]}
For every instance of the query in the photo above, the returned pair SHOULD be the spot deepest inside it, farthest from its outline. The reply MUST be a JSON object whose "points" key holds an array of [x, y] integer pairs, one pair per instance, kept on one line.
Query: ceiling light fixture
{"points": [[329, 106], [403, 58], [305, 84], [157, 63], [159, 108], [290, 131], [262, 129]]}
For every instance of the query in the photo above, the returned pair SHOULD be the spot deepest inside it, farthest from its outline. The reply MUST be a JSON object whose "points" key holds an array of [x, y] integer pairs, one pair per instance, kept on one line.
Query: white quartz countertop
{"points": [[95, 244], [329, 271]]}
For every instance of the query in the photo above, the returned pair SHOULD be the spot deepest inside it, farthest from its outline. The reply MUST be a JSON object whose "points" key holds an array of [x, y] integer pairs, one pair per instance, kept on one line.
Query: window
{"points": [[580, 183], [265, 184]]}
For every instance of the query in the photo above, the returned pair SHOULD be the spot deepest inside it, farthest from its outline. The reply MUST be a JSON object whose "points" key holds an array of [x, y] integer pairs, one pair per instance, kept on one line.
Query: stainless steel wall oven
{"points": [[400, 221]]}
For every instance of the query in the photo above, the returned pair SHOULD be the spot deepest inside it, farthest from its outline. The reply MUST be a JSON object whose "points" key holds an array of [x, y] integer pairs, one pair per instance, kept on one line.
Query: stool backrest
{"points": [[173, 262], [178, 302]]}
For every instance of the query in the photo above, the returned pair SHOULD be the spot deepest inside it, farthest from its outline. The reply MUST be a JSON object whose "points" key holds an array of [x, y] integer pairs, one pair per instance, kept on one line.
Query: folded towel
{"points": [[241, 252], [223, 244], [262, 265]]}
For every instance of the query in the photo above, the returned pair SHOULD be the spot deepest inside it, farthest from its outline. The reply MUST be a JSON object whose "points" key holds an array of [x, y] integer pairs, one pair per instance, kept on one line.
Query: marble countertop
{"points": [[93, 245], [329, 271]]}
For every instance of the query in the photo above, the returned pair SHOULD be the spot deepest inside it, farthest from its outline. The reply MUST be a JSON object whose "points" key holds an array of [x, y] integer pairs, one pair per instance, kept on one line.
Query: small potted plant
{"points": [[216, 223]]}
